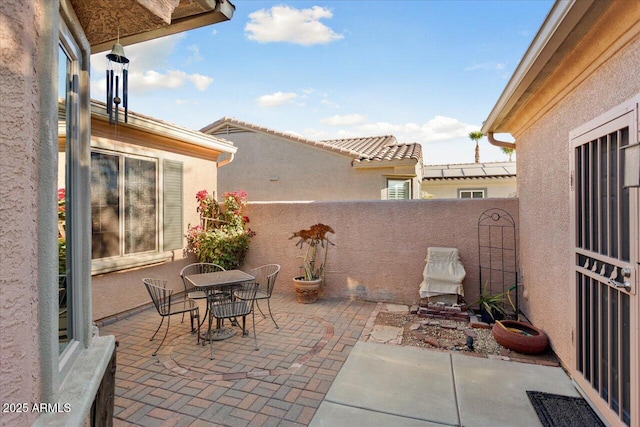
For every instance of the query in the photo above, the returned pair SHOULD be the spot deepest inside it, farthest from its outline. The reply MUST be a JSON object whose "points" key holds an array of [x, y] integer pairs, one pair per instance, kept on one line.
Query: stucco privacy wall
{"points": [[544, 194], [379, 255], [269, 167], [380, 246]]}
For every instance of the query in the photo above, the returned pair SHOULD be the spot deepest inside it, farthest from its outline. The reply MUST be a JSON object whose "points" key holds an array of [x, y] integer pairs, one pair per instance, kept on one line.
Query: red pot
{"points": [[532, 342]]}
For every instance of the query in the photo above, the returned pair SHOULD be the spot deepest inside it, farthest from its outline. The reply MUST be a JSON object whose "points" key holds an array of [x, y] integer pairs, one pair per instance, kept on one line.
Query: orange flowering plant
{"points": [[222, 236], [315, 238]]}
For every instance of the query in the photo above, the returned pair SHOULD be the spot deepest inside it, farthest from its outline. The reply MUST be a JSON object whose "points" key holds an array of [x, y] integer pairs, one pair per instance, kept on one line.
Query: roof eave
{"points": [[150, 125], [215, 11], [370, 164], [561, 20]]}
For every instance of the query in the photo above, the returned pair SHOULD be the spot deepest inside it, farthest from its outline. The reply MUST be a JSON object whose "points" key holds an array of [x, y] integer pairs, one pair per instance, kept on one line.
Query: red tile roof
{"points": [[366, 149]]}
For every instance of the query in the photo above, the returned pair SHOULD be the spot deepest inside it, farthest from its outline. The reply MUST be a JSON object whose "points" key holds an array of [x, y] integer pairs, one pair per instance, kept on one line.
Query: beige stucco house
{"points": [[38, 39], [469, 180], [164, 165], [272, 165], [572, 106]]}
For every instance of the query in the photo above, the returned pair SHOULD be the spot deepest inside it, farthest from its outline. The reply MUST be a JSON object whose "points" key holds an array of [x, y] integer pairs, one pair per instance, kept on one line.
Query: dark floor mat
{"points": [[555, 410]]}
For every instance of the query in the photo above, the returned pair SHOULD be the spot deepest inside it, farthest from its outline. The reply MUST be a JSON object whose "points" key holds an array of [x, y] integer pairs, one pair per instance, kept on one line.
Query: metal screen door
{"points": [[605, 230]]}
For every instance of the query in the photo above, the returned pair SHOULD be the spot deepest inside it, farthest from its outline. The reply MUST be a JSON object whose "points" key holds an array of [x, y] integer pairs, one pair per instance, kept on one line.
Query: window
{"points": [[398, 189], [471, 194], [126, 210], [72, 280]]}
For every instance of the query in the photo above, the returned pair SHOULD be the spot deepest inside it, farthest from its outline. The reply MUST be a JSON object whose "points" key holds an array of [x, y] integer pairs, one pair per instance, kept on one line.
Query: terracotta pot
{"points": [[306, 290], [535, 340]]}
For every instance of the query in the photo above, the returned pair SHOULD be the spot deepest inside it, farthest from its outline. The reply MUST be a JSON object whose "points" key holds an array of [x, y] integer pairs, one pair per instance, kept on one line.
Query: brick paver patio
{"points": [[282, 383]]}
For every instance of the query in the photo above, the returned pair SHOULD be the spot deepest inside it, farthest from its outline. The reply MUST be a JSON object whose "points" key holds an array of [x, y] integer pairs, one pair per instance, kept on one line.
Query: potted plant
{"points": [[491, 307], [317, 244]]}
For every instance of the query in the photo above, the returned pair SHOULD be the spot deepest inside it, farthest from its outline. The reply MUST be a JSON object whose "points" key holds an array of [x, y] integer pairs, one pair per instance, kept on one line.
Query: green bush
{"points": [[222, 237]]}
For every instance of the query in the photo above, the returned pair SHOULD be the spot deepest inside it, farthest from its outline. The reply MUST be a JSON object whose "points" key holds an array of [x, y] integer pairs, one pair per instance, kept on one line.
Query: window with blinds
{"points": [[398, 189], [127, 206], [172, 205]]}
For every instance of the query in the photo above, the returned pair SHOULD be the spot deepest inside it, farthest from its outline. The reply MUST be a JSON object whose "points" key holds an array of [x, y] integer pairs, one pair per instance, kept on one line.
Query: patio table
{"points": [[212, 284]]}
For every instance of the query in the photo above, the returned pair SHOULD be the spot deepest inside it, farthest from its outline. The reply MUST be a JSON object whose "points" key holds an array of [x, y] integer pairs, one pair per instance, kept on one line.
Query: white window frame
{"points": [[409, 192], [126, 261], [74, 376], [472, 191], [74, 280]]}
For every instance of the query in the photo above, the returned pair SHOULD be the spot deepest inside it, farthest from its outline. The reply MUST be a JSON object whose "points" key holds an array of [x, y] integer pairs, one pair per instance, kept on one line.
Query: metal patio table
{"points": [[213, 284]]}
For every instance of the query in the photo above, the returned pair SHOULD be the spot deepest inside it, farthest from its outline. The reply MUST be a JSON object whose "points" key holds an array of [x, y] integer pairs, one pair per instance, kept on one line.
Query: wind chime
{"points": [[117, 70]]}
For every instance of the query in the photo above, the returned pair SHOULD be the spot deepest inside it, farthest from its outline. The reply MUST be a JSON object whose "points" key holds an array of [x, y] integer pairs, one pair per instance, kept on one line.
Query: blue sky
{"points": [[424, 71]]}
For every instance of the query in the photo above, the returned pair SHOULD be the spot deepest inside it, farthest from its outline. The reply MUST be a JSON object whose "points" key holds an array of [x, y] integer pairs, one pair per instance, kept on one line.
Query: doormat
{"points": [[555, 410]]}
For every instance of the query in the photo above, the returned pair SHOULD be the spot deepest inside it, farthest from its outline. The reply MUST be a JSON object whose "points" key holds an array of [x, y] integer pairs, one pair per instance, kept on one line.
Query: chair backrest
{"points": [[160, 295], [240, 306], [197, 268], [266, 276]]}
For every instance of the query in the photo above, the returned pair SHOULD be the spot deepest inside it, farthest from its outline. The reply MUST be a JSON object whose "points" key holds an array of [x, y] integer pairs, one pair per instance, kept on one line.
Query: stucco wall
{"points": [[19, 161], [379, 254], [380, 246], [544, 193], [272, 168], [502, 187]]}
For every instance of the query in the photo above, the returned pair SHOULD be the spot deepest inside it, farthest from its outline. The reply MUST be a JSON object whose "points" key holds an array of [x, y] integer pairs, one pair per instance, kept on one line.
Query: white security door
{"points": [[606, 235]]}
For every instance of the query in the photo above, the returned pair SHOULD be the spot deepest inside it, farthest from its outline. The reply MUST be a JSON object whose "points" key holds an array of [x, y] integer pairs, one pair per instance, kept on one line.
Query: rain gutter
{"points": [[561, 20]]}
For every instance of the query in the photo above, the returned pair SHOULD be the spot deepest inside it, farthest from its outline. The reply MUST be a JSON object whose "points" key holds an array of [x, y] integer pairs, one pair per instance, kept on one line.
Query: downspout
{"points": [[226, 161], [497, 143]]}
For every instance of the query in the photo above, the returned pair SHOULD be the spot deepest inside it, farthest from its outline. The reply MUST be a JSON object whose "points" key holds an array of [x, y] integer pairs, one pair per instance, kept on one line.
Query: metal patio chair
{"points": [[266, 276], [161, 297], [190, 292], [239, 306]]}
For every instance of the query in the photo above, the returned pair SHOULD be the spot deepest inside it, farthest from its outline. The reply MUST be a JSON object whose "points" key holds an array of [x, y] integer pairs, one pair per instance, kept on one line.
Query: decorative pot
{"points": [[521, 337], [306, 290], [485, 316]]}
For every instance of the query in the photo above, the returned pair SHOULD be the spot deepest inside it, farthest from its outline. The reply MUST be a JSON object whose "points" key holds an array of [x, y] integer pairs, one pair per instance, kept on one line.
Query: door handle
{"points": [[626, 272]]}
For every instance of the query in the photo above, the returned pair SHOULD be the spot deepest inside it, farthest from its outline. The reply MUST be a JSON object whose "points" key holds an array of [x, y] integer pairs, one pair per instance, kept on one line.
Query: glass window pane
{"points": [[140, 221], [64, 291], [398, 189], [105, 205]]}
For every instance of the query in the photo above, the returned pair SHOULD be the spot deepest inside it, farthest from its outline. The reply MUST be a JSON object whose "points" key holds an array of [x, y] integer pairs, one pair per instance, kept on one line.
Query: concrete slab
{"points": [[407, 382], [332, 415], [492, 392], [397, 308], [386, 334]]}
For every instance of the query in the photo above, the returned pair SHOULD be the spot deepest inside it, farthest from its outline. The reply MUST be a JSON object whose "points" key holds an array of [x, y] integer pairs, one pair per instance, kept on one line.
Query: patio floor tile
{"points": [[281, 384]]}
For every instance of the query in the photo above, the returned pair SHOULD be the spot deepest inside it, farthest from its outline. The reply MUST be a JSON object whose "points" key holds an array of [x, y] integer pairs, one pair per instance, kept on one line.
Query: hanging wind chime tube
{"points": [[117, 69]]}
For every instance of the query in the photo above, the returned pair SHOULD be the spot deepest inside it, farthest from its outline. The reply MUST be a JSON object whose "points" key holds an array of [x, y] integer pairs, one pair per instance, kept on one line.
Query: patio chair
{"points": [[266, 276], [190, 292], [240, 306], [161, 297]]}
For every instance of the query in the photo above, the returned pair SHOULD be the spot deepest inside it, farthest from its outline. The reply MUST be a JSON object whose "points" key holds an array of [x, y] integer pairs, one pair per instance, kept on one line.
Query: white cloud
{"points": [[344, 120], [151, 80], [145, 60], [486, 66], [439, 129], [199, 81], [276, 99], [195, 53], [172, 79], [286, 24], [329, 103], [152, 54]]}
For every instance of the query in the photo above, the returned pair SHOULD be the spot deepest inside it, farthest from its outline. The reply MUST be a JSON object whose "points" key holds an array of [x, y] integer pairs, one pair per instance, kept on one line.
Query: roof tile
{"points": [[366, 149]]}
